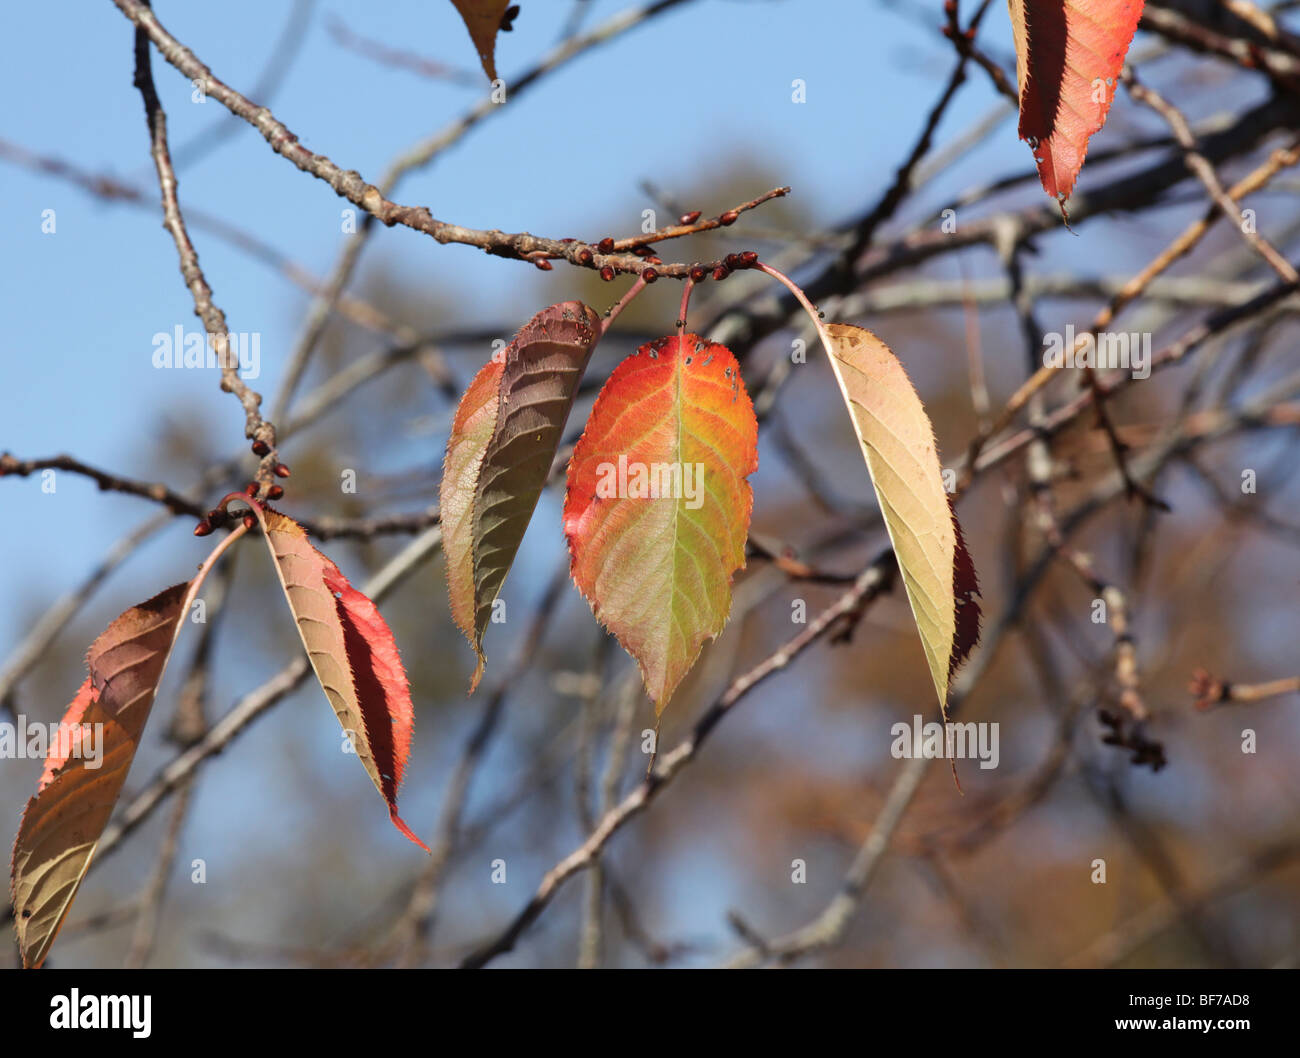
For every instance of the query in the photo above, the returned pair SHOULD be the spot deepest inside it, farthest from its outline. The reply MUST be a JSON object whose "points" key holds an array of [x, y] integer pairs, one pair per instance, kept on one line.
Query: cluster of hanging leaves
{"points": [[656, 516], [351, 650], [1069, 54], [657, 505], [656, 512]]}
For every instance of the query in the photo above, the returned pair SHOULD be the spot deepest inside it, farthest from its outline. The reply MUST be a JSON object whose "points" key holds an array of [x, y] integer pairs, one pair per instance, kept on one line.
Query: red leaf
{"points": [[382, 688], [353, 653], [1069, 54]]}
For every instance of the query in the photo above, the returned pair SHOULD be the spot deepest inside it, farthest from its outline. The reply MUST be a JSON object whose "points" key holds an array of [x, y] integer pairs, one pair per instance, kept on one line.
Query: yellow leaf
{"points": [[898, 444]]}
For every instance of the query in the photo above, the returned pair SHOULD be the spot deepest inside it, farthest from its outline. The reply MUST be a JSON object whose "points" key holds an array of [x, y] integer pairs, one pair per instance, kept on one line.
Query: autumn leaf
{"points": [[353, 653], [471, 430], [1069, 54], [898, 444], [483, 19], [657, 507], [499, 455], [67, 742], [87, 765]]}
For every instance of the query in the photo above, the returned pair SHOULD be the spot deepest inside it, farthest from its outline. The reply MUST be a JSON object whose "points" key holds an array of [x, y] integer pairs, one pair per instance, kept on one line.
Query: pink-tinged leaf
{"points": [[352, 652], [483, 20], [658, 506], [898, 445], [503, 442], [83, 775], [68, 741], [1069, 54]]}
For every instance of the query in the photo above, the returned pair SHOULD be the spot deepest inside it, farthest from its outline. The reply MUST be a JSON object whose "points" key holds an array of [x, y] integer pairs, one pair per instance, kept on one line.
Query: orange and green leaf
{"points": [[657, 508]]}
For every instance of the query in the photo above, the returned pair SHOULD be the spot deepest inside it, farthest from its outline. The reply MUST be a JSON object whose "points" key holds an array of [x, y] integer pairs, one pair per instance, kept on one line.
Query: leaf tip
{"points": [[479, 668], [400, 824]]}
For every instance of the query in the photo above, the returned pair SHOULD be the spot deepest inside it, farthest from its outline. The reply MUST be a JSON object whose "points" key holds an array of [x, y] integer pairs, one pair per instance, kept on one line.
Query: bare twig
{"points": [[256, 429], [874, 579], [349, 184]]}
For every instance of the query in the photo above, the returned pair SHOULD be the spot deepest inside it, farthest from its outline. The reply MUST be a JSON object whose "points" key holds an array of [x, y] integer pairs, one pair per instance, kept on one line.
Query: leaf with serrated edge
{"points": [[898, 444], [352, 652], [657, 570], [483, 19], [471, 431], [536, 384], [1069, 54], [62, 824]]}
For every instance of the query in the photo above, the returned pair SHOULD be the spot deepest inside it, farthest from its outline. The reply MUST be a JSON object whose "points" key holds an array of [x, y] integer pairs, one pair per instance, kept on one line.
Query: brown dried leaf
{"points": [[483, 19]]}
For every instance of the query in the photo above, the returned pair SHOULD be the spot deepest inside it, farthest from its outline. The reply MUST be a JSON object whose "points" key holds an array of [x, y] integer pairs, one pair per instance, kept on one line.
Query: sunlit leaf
{"points": [[1069, 54], [898, 444], [658, 505]]}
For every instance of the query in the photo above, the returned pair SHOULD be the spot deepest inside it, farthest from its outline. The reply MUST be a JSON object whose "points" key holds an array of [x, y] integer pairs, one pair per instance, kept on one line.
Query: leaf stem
{"points": [[196, 583], [809, 307], [622, 303], [252, 501], [218, 551], [687, 287]]}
